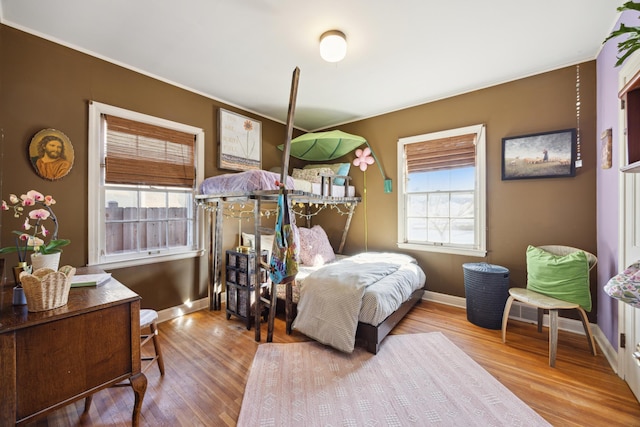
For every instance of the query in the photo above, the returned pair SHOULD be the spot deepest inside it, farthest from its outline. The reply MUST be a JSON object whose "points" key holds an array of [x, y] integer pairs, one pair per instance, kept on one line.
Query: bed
{"points": [[257, 190], [400, 280]]}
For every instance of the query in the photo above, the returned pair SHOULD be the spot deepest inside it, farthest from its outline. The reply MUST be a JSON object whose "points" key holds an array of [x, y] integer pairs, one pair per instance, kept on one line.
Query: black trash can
{"points": [[487, 289]]}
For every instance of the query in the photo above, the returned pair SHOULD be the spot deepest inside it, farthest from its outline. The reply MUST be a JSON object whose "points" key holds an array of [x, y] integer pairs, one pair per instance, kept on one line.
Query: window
{"points": [[441, 194], [143, 174]]}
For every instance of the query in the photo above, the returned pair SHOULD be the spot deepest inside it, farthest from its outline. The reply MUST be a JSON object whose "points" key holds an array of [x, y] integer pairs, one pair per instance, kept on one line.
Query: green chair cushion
{"points": [[563, 277]]}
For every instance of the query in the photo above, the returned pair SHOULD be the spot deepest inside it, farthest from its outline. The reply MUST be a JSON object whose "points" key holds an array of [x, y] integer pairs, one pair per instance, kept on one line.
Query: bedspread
{"points": [[331, 299], [242, 182]]}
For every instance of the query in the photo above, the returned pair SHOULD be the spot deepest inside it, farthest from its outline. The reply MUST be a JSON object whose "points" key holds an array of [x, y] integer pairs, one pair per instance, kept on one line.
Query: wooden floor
{"points": [[207, 360]]}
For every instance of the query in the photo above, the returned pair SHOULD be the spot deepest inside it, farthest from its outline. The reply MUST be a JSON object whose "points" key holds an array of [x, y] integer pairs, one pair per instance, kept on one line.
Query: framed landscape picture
{"points": [[539, 155], [240, 142]]}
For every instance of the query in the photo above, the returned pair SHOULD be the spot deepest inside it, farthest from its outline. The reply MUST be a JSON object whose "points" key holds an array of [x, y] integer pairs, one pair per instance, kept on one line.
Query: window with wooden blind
{"points": [[441, 194], [143, 174]]}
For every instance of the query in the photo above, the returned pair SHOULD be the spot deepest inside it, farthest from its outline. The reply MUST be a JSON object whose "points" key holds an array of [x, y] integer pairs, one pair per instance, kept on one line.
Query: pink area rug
{"points": [[414, 380]]}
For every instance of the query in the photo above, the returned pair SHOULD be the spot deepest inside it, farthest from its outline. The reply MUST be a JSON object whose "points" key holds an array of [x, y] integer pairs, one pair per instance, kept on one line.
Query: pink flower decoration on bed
{"points": [[363, 158]]}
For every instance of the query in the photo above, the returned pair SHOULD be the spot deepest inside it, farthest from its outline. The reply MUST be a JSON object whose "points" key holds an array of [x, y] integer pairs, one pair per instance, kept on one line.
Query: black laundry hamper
{"points": [[487, 289]]}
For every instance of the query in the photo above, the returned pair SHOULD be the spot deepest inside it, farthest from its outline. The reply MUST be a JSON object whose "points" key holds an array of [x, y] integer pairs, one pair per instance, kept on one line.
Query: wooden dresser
{"points": [[52, 358]]}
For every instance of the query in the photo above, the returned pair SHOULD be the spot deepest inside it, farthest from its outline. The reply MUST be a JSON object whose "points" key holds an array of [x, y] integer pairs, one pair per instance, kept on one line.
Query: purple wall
{"points": [[608, 106]]}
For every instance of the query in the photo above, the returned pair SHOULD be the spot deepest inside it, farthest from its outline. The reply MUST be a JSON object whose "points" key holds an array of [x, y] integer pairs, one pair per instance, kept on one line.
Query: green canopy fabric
{"points": [[323, 146]]}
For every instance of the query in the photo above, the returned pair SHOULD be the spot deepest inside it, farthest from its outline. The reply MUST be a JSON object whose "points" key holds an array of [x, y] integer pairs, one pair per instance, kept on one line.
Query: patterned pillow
{"points": [[315, 249], [337, 168], [311, 175]]}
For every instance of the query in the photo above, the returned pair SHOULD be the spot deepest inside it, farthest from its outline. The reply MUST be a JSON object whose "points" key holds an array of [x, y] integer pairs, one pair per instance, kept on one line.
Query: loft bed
{"points": [[214, 200], [254, 194]]}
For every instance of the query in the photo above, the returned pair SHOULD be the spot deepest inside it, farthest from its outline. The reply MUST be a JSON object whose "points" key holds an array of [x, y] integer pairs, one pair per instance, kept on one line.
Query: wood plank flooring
{"points": [[207, 361]]}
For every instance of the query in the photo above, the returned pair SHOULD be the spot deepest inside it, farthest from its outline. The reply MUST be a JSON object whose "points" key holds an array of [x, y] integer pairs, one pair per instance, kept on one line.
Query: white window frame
{"points": [[96, 186], [480, 247]]}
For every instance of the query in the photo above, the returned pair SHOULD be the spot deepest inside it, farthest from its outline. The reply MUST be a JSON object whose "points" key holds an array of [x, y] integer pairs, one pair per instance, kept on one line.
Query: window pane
{"points": [[121, 237], [438, 205], [438, 230], [462, 231], [120, 198], [442, 180], [417, 205], [462, 205], [152, 235], [177, 233], [417, 229]]}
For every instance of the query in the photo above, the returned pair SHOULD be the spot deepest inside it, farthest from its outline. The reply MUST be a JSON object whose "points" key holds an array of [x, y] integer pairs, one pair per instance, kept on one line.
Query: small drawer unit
{"points": [[240, 283]]}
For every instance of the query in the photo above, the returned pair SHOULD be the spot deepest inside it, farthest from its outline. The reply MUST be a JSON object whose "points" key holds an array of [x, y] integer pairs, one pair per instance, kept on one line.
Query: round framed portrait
{"points": [[51, 154]]}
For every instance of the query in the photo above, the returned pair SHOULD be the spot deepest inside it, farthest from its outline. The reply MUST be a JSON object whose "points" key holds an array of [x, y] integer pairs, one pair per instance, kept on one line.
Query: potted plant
{"points": [[33, 235], [632, 43]]}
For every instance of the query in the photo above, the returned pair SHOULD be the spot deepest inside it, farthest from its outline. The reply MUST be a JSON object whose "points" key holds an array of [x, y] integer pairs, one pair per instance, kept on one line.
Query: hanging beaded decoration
{"points": [[578, 154]]}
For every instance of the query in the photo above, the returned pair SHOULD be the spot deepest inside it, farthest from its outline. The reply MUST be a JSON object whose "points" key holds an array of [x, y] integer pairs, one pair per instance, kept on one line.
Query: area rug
{"points": [[414, 380]]}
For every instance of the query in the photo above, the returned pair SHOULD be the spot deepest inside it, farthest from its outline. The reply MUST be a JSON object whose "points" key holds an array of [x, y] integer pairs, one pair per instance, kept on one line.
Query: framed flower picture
{"points": [[239, 142]]}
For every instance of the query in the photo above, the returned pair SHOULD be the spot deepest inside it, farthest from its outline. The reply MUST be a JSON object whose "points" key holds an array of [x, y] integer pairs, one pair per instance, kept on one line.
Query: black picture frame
{"points": [[539, 155]]}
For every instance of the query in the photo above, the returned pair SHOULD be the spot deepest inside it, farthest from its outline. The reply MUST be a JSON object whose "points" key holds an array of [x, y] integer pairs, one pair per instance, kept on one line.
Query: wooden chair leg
{"points": [[156, 346], [505, 318], [272, 313], [540, 319], [587, 330], [553, 337]]}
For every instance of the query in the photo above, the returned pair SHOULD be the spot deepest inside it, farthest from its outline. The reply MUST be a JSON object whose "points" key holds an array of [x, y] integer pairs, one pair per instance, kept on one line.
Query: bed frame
{"points": [[367, 336], [215, 207], [370, 337]]}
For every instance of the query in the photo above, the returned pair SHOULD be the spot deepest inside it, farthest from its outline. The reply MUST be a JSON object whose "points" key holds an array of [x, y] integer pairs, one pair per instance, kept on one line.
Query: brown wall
{"points": [[521, 212], [45, 85]]}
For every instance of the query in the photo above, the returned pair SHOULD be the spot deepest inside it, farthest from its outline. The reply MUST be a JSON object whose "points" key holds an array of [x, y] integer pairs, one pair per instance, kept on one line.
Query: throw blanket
{"points": [[242, 182], [331, 298]]}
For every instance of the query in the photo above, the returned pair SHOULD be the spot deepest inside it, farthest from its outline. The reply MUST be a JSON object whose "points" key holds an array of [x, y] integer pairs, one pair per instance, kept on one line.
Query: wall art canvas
{"points": [[240, 142], [539, 155]]}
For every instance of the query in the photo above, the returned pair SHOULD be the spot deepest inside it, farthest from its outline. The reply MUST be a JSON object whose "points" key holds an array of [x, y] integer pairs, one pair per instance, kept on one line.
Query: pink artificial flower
{"points": [[48, 201], [44, 231], [39, 214], [13, 199], [26, 224], [24, 236], [27, 201], [363, 158], [35, 195], [5, 207], [35, 242]]}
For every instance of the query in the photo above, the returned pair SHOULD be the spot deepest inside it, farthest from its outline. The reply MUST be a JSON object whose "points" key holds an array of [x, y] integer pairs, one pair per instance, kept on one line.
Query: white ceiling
{"points": [[401, 53]]}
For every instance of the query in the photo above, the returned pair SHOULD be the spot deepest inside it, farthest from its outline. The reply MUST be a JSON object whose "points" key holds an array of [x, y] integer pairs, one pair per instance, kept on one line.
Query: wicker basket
{"points": [[47, 289], [486, 291]]}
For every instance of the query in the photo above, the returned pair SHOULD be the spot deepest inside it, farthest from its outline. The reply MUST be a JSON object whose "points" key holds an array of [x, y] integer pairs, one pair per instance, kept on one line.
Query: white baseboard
{"points": [[180, 310], [529, 314]]}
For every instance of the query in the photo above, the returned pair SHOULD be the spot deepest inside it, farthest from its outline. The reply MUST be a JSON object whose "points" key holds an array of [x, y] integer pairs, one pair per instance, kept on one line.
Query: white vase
{"points": [[51, 261]]}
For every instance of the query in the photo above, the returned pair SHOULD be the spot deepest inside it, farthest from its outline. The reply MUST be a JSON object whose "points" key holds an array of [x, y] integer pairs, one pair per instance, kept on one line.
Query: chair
{"points": [[148, 319], [545, 302]]}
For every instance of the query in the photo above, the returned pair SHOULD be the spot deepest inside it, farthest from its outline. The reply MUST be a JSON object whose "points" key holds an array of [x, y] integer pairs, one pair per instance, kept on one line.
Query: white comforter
{"points": [[331, 300]]}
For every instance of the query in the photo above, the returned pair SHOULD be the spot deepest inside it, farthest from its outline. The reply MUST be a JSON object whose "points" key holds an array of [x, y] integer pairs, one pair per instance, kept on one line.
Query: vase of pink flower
{"points": [[34, 234]]}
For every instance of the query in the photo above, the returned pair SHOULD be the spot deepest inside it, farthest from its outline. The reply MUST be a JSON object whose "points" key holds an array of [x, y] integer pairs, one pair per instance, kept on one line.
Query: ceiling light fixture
{"points": [[333, 46]]}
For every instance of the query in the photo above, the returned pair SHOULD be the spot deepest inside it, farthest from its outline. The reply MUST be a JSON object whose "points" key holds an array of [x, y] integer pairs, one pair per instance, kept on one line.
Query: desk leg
{"points": [[139, 386]]}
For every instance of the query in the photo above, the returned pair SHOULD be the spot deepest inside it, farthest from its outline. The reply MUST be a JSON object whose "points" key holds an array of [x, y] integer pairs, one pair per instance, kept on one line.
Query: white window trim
{"points": [[481, 193], [96, 177]]}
